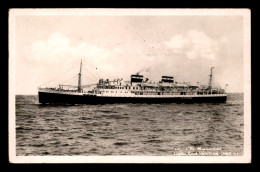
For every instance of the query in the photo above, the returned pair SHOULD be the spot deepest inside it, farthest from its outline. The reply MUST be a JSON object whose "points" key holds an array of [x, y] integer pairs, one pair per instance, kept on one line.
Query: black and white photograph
{"points": [[129, 85]]}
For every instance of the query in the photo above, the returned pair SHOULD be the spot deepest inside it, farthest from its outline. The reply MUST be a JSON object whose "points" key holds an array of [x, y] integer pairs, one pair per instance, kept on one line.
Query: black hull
{"points": [[55, 98]]}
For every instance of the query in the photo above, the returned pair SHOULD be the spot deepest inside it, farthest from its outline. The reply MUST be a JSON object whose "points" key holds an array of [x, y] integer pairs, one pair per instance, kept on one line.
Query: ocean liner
{"points": [[137, 90]]}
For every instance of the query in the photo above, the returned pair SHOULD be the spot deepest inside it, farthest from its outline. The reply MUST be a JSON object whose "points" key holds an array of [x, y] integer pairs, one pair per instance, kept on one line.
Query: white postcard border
{"points": [[246, 158]]}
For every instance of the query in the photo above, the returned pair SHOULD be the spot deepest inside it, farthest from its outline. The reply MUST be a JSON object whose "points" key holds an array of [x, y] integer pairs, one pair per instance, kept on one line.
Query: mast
{"points": [[79, 81], [210, 77]]}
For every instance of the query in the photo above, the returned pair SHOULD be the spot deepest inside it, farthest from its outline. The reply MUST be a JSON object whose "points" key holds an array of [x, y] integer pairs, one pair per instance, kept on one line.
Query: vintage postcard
{"points": [[129, 85]]}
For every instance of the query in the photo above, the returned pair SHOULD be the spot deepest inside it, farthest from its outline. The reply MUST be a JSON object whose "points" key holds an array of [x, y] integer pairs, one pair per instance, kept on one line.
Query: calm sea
{"points": [[129, 129]]}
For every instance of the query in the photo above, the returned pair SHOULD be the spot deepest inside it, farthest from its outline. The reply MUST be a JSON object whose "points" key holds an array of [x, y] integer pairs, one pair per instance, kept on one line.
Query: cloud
{"points": [[54, 49], [110, 61], [61, 51], [194, 45], [58, 48]]}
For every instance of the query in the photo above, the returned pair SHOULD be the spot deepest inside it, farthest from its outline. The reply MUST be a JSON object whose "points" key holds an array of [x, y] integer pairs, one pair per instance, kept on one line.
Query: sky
{"points": [[48, 49]]}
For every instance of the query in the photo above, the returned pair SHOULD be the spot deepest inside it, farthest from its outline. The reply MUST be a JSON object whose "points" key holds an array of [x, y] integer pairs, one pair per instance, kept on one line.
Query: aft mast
{"points": [[210, 77], [79, 80]]}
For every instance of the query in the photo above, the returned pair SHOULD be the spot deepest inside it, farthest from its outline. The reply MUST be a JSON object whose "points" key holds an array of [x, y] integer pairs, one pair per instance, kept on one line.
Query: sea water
{"points": [[130, 129]]}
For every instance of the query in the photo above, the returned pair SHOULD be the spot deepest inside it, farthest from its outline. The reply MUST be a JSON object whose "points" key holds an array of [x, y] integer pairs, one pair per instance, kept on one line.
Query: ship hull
{"points": [[57, 98]]}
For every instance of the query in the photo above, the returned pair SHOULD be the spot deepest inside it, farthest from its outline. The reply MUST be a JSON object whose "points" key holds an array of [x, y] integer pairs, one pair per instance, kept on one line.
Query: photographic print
{"points": [[129, 86]]}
